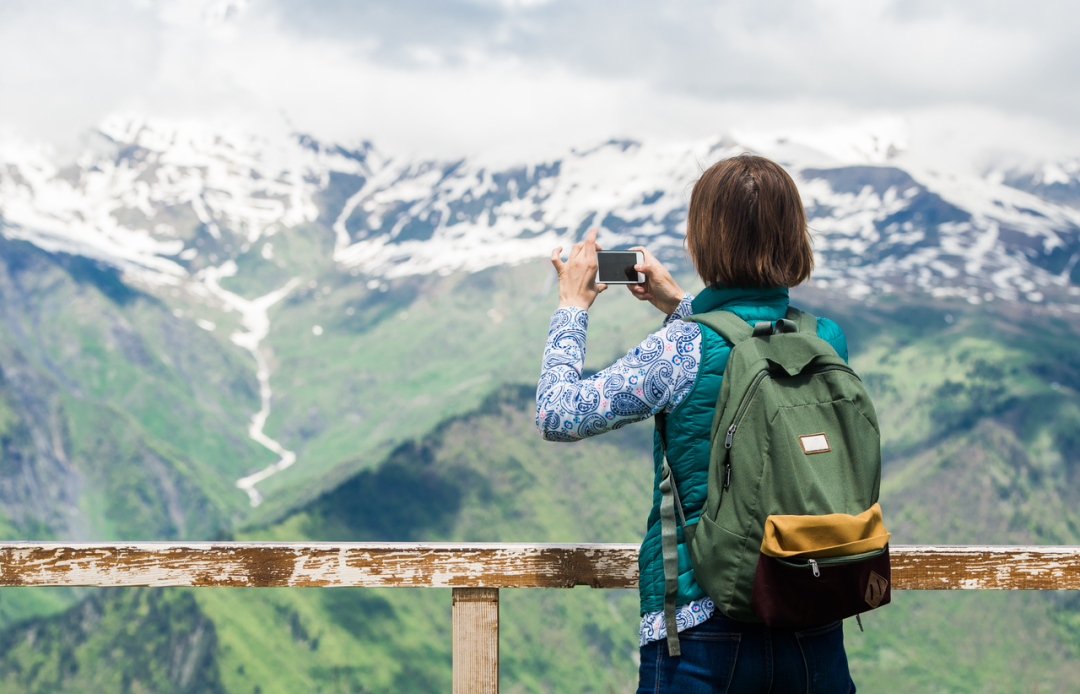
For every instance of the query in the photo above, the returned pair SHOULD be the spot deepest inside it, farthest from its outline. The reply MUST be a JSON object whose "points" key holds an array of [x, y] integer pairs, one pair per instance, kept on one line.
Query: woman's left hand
{"points": [[577, 276]]}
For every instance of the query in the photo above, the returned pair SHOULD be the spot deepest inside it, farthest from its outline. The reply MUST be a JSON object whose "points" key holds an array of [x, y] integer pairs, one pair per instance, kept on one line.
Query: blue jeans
{"points": [[722, 656]]}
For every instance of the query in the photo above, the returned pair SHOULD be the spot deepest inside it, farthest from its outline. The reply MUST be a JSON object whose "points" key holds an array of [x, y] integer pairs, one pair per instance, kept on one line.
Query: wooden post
{"points": [[476, 640]]}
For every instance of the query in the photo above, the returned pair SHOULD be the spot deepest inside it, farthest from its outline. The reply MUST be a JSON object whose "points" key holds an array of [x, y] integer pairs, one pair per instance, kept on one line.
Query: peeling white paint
{"points": [[468, 565]]}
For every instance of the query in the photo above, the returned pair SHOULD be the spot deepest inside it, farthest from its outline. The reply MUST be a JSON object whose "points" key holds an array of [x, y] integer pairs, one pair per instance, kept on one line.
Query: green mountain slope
{"points": [[980, 419], [482, 476], [123, 641], [389, 365], [405, 430], [487, 476], [117, 419], [980, 413], [972, 455]]}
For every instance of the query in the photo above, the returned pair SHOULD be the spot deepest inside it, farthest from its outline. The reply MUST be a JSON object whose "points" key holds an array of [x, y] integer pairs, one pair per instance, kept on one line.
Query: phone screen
{"points": [[617, 266]]}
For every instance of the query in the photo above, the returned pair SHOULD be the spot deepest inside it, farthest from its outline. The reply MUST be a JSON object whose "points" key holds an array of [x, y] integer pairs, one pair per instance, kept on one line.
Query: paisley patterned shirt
{"points": [[653, 377]]}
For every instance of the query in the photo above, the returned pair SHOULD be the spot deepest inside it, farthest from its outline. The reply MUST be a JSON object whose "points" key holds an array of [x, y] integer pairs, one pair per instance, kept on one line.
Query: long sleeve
{"points": [[652, 377]]}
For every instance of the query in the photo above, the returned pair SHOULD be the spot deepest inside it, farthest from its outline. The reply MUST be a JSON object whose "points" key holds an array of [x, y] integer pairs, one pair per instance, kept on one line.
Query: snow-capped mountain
{"points": [[1057, 181], [165, 201], [151, 198]]}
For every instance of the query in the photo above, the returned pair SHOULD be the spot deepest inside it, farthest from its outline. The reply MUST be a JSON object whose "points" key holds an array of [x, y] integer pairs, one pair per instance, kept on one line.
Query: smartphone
{"points": [[617, 267]]}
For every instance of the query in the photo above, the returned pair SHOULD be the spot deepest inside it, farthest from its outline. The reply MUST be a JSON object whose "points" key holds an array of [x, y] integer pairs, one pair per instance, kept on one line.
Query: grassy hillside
{"points": [[481, 476], [117, 419], [407, 430], [487, 476], [980, 413], [123, 641], [979, 421], [396, 359]]}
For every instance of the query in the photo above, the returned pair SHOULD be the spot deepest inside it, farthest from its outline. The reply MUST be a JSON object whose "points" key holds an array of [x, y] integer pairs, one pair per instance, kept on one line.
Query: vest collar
{"points": [[719, 297]]}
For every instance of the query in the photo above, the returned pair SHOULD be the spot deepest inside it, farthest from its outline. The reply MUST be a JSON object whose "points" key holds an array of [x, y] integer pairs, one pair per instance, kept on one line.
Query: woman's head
{"points": [[746, 226]]}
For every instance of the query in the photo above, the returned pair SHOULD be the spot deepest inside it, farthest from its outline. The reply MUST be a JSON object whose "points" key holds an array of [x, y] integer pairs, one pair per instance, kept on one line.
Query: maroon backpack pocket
{"points": [[799, 592]]}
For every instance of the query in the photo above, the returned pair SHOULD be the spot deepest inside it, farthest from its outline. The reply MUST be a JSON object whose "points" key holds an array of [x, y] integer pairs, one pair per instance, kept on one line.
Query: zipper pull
{"points": [[730, 435], [814, 566], [727, 480]]}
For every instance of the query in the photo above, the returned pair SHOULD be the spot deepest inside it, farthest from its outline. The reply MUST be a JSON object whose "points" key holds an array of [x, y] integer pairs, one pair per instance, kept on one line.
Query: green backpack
{"points": [[791, 532]]}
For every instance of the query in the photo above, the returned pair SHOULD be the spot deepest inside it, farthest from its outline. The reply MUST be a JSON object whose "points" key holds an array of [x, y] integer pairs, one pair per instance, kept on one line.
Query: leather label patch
{"points": [[875, 589], [814, 443]]}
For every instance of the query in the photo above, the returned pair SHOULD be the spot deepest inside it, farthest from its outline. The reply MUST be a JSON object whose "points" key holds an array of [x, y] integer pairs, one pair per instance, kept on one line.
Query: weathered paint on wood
{"points": [[985, 568], [257, 564], [476, 640]]}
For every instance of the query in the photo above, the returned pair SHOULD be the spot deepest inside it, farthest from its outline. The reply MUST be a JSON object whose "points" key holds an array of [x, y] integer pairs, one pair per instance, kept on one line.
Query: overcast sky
{"points": [[452, 77]]}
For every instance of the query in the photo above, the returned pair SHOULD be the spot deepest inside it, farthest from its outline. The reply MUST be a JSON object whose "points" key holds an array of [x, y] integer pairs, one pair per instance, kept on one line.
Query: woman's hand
{"points": [[660, 288], [577, 276]]}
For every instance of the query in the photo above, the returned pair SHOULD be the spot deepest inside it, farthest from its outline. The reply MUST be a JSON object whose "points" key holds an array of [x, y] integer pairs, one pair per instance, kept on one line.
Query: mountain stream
{"points": [[254, 317]]}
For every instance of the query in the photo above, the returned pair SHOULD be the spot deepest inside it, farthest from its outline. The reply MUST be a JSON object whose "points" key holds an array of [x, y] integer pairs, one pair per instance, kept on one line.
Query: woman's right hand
{"points": [[660, 288]]}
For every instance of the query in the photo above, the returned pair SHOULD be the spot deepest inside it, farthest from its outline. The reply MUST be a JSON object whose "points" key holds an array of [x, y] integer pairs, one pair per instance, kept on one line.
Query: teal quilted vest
{"points": [[688, 429]]}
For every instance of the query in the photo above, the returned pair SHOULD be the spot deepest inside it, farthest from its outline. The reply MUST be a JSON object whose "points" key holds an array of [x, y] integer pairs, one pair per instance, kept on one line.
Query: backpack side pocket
{"points": [[818, 569], [806, 592]]}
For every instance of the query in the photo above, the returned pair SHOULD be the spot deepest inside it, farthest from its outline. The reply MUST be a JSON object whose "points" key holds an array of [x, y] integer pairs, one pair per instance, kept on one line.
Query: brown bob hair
{"points": [[746, 226]]}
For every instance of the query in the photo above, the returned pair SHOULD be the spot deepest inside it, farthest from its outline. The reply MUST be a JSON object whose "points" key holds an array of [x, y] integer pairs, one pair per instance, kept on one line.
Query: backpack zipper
{"points": [[743, 407], [748, 399], [752, 391], [739, 414], [816, 564]]}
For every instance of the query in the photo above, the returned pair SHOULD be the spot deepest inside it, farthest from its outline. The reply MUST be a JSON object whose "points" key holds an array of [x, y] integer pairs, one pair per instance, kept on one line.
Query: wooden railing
{"points": [[476, 572]]}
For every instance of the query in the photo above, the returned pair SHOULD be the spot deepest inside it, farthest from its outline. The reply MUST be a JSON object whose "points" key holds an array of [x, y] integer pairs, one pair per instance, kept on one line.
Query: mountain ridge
{"points": [[165, 202]]}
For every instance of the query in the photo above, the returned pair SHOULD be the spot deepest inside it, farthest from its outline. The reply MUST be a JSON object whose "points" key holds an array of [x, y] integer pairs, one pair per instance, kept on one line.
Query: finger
{"points": [[576, 249], [590, 243], [646, 264], [600, 288], [556, 260], [649, 257]]}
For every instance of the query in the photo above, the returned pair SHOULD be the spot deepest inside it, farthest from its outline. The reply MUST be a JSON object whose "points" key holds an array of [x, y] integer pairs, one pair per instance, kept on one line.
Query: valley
{"points": [[221, 339]]}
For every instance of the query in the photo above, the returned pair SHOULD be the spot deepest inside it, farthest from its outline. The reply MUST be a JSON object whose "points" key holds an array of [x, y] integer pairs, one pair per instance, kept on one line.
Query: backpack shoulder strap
{"points": [[669, 537], [807, 323], [726, 324]]}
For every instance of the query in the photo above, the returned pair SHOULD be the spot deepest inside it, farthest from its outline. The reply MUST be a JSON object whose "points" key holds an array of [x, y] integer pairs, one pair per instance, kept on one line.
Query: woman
{"points": [[746, 234]]}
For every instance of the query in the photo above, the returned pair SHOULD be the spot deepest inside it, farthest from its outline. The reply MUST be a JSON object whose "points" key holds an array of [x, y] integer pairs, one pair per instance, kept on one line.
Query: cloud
{"points": [[456, 76], [864, 53], [65, 67]]}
